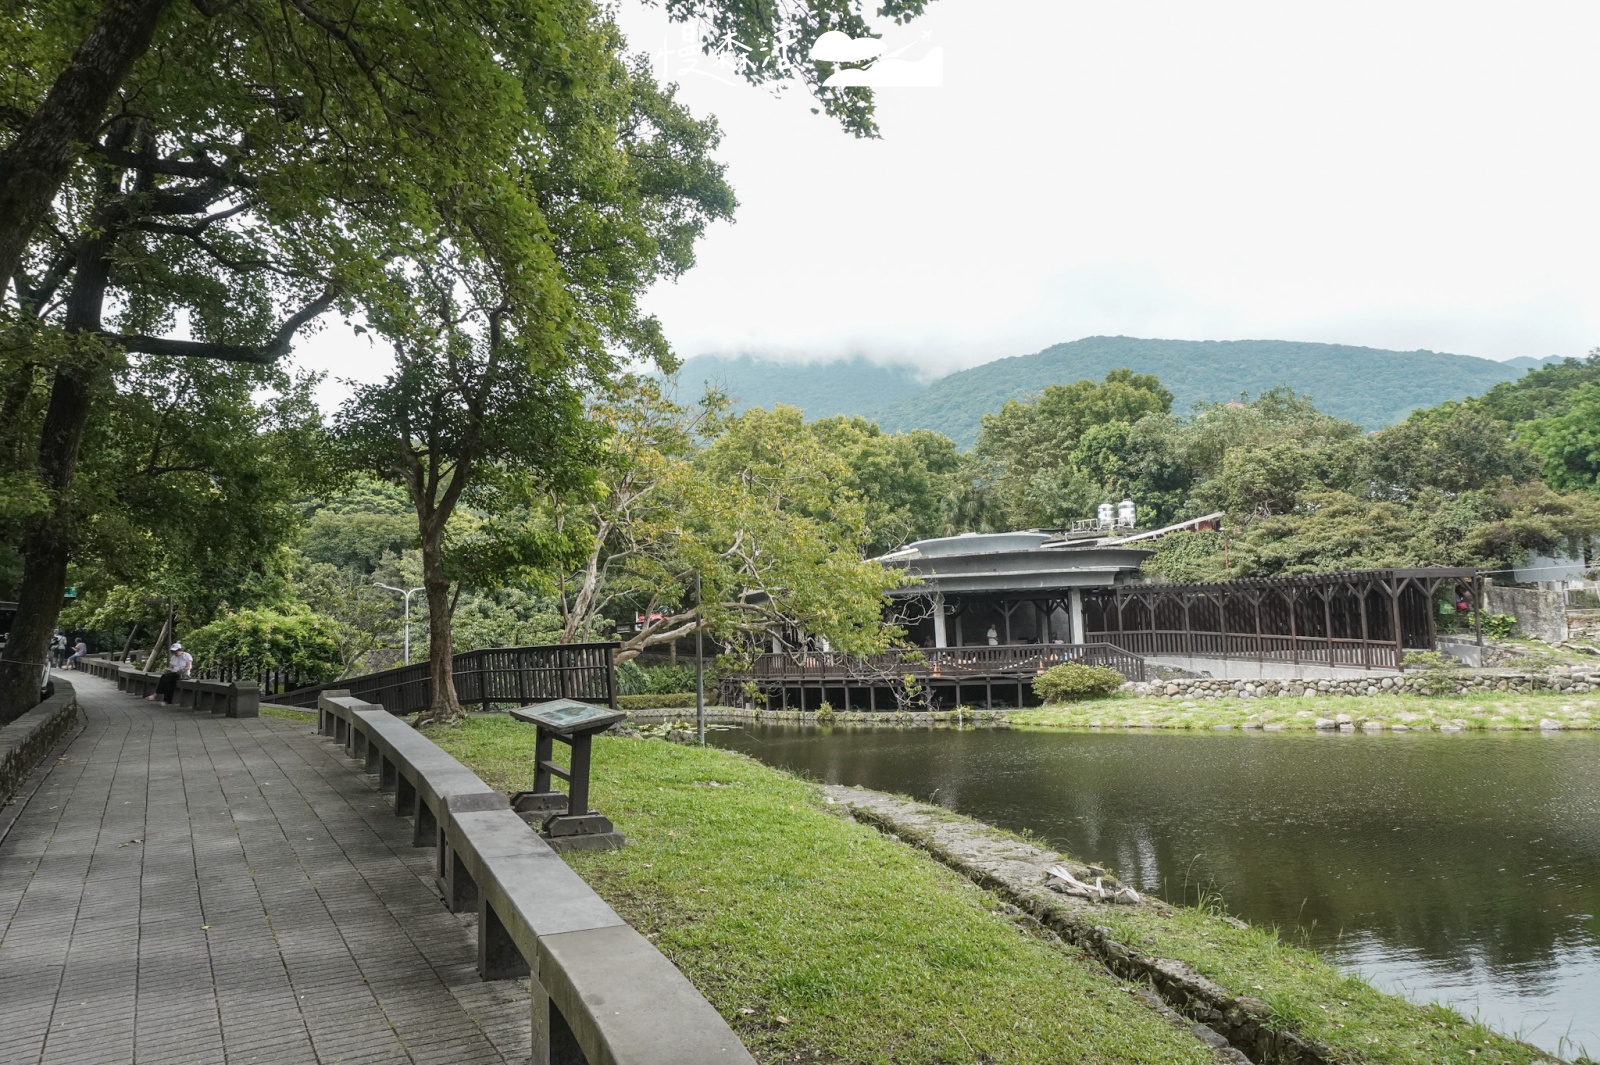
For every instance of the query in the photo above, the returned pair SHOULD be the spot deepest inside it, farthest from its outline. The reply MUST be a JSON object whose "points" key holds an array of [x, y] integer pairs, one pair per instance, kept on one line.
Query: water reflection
{"points": [[1464, 868]]}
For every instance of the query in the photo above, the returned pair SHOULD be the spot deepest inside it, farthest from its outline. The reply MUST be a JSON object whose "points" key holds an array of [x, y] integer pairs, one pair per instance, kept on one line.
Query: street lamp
{"points": [[408, 595]]}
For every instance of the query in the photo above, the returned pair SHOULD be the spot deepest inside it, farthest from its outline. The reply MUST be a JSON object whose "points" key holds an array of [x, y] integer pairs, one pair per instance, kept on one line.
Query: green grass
{"points": [[288, 713], [821, 939], [1502, 710], [1311, 996], [1303, 991]]}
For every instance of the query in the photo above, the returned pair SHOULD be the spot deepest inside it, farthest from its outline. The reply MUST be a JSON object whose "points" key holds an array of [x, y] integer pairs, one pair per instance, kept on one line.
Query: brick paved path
{"points": [[184, 888]]}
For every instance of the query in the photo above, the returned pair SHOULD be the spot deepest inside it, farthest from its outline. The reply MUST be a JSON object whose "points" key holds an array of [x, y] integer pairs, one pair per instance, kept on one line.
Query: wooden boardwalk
{"points": [[182, 888]]}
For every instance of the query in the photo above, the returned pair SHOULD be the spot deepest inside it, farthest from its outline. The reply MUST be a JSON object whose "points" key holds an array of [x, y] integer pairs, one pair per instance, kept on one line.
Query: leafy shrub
{"points": [[825, 713], [669, 700], [251, 642], [1073, 680], [1437, 677], [1498, 626], [634, 679], [1429, 660]]}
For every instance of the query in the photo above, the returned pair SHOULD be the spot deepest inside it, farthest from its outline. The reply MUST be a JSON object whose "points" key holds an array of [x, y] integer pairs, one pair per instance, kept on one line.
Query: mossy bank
{"points": [[821, 938], [1550, 711]]}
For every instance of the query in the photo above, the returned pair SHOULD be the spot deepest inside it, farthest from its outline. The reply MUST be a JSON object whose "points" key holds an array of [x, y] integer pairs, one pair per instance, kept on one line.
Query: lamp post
{"points": [[408, 595], [699, 666]]}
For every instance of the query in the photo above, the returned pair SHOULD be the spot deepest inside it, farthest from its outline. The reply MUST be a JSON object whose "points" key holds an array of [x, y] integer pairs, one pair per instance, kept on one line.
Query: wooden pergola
{"points": [[1361, 618]]}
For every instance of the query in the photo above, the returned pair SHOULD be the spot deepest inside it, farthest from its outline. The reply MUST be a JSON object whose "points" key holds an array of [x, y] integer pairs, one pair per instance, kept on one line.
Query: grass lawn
{"points": [[1503, 710], [821, 939]]}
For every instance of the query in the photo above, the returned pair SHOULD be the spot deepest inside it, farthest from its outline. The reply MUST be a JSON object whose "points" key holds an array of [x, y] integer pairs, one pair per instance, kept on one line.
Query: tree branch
{"points": [[258, 354]]}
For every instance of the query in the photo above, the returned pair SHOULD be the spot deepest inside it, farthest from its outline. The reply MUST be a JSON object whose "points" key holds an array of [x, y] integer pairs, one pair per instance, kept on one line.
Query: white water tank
{"points": [[1125, 513], [1104, 511]]}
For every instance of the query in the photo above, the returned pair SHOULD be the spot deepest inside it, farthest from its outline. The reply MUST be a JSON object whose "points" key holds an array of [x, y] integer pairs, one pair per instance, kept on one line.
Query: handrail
{"points": [[944, 662], [518, 675], [602, 993]]}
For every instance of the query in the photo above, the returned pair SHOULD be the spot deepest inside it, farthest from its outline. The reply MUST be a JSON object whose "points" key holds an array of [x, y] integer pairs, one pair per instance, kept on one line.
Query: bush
{"points": [[1498, 626], [252, 642], [666, 701], [634, 679], [1073, 680]]}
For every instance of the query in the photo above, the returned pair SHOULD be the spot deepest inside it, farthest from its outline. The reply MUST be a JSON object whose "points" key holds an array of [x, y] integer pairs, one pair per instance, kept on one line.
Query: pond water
{"points": [[1461, 868]]}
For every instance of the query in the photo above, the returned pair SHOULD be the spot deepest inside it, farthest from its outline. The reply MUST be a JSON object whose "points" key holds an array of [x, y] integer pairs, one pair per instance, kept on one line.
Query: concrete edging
{"points": [[602, 993], [30, 737], [1015, 872]]}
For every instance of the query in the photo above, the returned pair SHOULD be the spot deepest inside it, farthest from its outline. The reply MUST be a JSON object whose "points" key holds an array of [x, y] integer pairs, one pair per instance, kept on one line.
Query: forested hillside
{"points": [[1369, 386], [843, 386]]}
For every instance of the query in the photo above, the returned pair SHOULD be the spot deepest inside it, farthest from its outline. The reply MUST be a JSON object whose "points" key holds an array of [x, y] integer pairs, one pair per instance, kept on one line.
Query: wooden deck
{"points": [[944, 676]]}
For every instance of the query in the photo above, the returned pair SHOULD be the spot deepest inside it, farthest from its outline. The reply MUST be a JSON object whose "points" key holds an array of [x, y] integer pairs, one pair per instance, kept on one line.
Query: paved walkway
{"points": [[183, 888]]}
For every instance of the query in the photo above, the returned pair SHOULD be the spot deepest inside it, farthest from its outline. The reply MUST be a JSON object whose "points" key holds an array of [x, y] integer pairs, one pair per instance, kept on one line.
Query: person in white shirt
{"points": [[178, 665], [994, 636]]}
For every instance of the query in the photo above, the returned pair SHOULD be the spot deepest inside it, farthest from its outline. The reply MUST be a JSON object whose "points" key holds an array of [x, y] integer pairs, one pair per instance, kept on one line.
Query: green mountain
{"points": [[1370, 386], [843, 386]]}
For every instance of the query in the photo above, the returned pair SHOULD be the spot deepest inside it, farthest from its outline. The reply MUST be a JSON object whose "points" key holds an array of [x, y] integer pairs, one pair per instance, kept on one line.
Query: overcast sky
{"points": [[1399, 174]]}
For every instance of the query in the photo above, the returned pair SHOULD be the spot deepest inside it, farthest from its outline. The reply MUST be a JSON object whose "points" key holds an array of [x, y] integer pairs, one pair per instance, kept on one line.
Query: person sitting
{"points": [[178, 665], [78, 651]]}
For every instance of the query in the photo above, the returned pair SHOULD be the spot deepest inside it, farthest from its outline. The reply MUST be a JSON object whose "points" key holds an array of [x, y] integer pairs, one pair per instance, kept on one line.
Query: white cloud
{"points": [[1396, 175]]}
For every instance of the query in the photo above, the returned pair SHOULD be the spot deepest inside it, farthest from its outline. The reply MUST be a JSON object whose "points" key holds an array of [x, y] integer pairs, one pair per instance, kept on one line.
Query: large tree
{"points": [[278, 151], [72, 62], [497, 342], [759, 509]]}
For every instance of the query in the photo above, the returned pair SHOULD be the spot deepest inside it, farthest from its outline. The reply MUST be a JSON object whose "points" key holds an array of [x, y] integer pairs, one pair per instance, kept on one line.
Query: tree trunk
{"points": [[47, 539], [46, 543], [446, 708], [33, 167]]}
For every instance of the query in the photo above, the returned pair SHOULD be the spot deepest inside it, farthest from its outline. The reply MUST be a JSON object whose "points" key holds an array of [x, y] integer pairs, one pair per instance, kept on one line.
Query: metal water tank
{"points": [[1105, 511], [1125, 513]]}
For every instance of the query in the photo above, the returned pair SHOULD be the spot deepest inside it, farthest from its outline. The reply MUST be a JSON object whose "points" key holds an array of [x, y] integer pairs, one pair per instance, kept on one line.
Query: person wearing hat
{"points": [[178, 665]]}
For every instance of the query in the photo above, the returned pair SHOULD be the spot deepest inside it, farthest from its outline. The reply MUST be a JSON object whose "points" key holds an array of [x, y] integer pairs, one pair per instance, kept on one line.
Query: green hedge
{"points": [[1073, 680], [667, 701]]}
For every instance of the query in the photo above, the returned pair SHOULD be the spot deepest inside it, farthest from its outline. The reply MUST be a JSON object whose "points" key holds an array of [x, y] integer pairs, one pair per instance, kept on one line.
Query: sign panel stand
{"points": [[565, 819]]}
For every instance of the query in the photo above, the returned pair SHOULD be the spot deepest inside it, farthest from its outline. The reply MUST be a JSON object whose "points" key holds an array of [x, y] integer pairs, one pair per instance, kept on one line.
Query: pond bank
{"points": [[819, 936], [1386, 712], [1239, 987]]}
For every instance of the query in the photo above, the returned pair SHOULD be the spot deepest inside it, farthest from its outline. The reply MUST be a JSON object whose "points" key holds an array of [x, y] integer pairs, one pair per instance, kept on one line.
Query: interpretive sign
{"points": [[568, 820]]}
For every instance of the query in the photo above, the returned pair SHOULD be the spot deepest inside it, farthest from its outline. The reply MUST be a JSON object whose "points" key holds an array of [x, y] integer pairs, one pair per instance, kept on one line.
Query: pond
{"points": [[1461, 868]]}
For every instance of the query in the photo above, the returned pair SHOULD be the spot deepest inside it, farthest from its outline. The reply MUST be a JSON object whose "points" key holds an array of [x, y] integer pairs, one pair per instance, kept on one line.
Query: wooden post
{"points": [[1477, 610], [1294, 640], [1394, 619], [1327, 624], [1366, 639]]}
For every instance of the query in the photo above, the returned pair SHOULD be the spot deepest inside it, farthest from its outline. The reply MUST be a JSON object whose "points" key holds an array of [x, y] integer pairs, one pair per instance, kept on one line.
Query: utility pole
{"points": [[408, 595], [699, 666]]}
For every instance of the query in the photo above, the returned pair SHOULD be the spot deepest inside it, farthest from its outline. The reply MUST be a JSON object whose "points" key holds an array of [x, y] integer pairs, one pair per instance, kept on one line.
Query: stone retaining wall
{"points": [[29, 738], [1462, 683]]}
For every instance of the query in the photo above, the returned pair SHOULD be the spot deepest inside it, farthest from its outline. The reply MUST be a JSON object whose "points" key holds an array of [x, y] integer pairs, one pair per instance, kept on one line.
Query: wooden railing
{"points": [[584, 671], [942, 663], [1315, 650]]}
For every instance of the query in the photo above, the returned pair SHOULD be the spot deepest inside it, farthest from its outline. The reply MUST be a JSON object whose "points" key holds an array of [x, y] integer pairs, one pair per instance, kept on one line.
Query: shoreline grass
{"points": [[821, 939], [1490, 711]]}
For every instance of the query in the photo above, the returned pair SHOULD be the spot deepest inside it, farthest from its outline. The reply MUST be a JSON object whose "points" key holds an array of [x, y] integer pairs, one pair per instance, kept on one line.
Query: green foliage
{"points": [[1367, 386], [634, 679], [656, 701], [351, 540], [1074, 680], [1028, 447], [255, 641], [1437, 670], [1498, 626], [1568, 444], [1187, 557], [825, 714]]}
